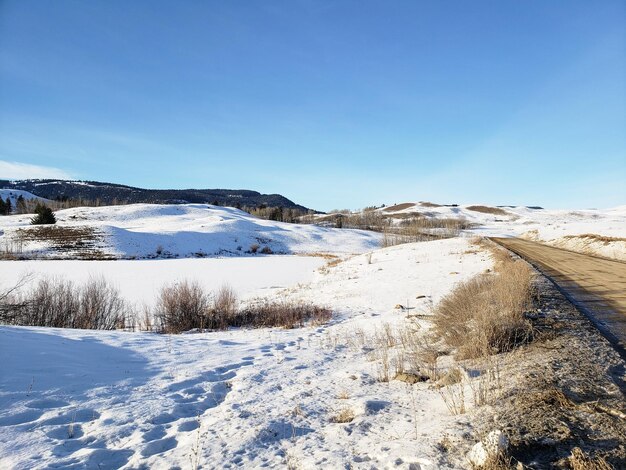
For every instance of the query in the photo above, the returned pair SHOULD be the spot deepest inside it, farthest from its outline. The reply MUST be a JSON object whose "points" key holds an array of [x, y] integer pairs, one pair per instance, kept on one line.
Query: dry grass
{"points": [[270, 313], [597, 238], [59, 236], [399, 207], [345, 415], [579, 460], [485, 315], [332, 262], [82, 242], [429, 204], [488, 210]]}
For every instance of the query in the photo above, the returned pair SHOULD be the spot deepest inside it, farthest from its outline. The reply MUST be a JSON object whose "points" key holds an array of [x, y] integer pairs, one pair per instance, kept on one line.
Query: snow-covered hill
{"points": [[188, 230], [568, 229], [14, 194]]}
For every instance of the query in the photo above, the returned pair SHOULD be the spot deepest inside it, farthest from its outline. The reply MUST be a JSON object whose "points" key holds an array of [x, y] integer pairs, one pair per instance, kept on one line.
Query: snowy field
{"points": [[241, 398], [140, 281], [560, 228], [187, 230]]}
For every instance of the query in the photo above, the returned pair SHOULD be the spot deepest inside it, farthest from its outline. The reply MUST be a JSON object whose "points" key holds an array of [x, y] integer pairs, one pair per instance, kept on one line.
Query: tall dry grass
{"points": [[485, 315]]}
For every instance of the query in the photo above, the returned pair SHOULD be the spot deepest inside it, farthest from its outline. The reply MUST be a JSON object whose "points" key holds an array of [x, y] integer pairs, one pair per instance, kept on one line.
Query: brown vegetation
{"points": [[418, 229], [485, 315], [62, 304], [284, 314], [186, 306], [598, 238], [183, 307], [399, 207], [488, 210]]}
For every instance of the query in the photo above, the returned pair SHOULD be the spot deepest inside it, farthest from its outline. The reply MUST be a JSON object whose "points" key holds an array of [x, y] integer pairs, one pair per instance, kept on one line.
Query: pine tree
{"points": [[20, 206], [3, 207], [44, 216]]}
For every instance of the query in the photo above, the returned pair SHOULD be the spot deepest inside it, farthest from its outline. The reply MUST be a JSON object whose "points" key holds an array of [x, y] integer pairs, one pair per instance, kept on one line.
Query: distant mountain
{"points": [[108, 193]]}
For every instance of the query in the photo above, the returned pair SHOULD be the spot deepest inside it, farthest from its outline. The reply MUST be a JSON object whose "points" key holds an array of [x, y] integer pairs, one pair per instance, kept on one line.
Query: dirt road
{"points": [[596, 285]]}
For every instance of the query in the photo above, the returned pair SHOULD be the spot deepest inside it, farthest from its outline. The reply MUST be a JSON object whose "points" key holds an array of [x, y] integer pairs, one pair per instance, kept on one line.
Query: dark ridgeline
{"points": [[109, 193]]}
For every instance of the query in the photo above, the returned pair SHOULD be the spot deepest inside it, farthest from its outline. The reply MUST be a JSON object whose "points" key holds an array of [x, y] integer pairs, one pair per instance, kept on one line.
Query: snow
{"points": [[139, 281], [561, 228], [243, 398], [14, 194], [188, 230], [240, 398]]}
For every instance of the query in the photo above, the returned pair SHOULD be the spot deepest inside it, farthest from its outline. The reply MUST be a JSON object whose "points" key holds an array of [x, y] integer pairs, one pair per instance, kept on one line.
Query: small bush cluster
{"points": [[418, 228], [182, 307], [62, 304], [186, 306]]}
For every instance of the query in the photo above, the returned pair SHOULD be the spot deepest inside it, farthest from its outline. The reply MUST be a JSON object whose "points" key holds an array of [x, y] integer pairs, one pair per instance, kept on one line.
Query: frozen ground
{"points": [[241, 398]]}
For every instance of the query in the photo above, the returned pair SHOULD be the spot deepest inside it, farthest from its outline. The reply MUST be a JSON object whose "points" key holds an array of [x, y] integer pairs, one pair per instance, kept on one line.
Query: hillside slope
{"points": [[108, 193], [593, 231], [185, 230]]}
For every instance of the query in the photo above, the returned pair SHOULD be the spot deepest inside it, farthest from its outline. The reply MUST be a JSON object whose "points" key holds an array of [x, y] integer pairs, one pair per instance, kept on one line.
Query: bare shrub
{"points": [[182, 307], [485, 315], [55, 302], [284, 314], [224, 308], [266, 250], [254, 248], [101, 306], [419, 228], [11, 303]]}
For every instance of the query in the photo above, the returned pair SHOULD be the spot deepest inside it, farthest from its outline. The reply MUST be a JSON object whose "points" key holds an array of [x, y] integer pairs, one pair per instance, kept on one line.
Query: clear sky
{"points": [[331, 103]]}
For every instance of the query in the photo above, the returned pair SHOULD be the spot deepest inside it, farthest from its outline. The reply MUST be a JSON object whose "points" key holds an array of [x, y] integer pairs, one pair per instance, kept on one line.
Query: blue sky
{"points": [[331, 103]]}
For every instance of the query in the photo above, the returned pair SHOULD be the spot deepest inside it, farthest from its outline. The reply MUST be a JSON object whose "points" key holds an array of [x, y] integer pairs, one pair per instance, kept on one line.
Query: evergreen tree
{"points": [[9, 206], [44, 215], [20, 206], [3, 207]]}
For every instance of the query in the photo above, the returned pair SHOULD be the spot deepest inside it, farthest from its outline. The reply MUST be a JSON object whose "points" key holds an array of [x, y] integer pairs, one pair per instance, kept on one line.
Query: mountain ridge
{"points": [[109, 193]]}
